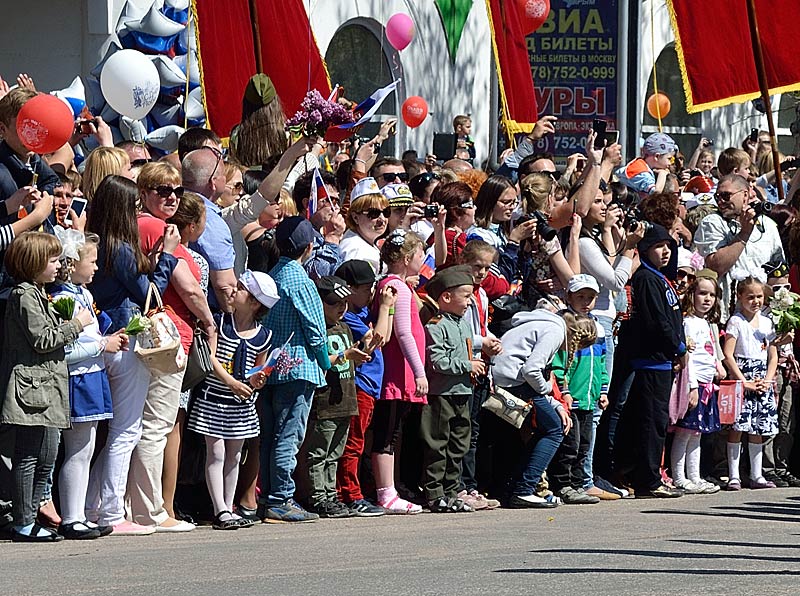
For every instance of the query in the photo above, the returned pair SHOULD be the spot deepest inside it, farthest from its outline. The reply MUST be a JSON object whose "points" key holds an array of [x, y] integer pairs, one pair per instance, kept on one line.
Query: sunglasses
{"points": [[725, 195], [778, 287], [138, 163], [555, 175], [392, 176], [165, 191], [238, 186], [690, 277], [376, 213], [427, 177]]}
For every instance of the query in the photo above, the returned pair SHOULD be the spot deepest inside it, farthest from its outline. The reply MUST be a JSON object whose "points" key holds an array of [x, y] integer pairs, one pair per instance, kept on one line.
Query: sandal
{"points": [[456, 505], [398, 506], [228, 524]]}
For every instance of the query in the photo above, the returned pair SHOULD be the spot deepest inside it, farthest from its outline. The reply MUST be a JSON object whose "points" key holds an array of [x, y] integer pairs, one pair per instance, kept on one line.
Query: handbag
{"points": [[198, 362], [507, 406], [159, 346]]}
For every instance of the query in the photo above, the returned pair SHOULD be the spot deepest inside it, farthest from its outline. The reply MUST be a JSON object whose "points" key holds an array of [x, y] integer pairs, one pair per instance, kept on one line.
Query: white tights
{"points": [[73, 480], [222, 471], [686, 453]]}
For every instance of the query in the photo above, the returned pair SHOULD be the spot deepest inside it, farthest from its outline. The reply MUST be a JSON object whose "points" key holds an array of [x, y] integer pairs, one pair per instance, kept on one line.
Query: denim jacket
{"points": [[34, 369]]}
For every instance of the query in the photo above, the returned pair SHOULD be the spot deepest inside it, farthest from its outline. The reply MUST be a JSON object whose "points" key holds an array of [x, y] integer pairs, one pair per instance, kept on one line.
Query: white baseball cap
{"points": [[581, 281], [261, 286]]}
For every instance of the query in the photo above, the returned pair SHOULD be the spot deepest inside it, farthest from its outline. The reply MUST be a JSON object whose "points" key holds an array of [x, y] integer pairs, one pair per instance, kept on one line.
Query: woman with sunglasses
{"points": [[160, 195], [366, 222]]}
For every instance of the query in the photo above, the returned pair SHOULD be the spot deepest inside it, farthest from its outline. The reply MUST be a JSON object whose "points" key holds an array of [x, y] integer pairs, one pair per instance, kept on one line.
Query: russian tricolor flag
{"points": [[365, 111], [318, 193]]}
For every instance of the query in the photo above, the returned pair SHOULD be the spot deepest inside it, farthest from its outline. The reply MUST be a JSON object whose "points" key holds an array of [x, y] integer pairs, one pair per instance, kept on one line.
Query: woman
{"points": [[260, 134], [160, 194], [120, 288], [456, 198], [259, 236], [234, 186], [190, 219], [102, 162], [366, 222]]}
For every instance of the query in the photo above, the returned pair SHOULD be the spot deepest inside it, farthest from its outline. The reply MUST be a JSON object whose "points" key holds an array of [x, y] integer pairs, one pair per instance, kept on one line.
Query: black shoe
{"points": [[791, 479], [778, 481], [662, 492], [229, 524], [331, 509], [71, 532], [531, 502], [247, 513], [51, 536]]}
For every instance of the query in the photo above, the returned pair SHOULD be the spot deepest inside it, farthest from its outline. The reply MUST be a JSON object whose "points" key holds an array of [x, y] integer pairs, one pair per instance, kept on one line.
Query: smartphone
{"points": [[599, 128], [78, 205], [753, 135]]}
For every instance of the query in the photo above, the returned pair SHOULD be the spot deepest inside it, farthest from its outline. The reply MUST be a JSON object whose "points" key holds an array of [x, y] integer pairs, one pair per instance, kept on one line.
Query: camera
{"points": [[762, 208], [633, 219], [543, 227], [430, 211]]}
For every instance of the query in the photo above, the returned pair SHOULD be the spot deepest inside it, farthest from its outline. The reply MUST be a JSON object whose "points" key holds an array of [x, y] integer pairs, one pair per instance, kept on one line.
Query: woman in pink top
{"points": [[404, 381]]}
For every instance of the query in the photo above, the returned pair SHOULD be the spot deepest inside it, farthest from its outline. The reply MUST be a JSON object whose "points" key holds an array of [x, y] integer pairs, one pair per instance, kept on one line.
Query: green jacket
{"points": [[33, 370], [587, 378], [448, 346]]}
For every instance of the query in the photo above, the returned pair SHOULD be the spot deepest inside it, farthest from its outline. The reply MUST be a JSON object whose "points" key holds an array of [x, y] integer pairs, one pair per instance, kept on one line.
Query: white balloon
{"points": [[165, 138], [130, 83], [156, 23], [170, 73], [132, 130], [194, 65], [194, 104]]}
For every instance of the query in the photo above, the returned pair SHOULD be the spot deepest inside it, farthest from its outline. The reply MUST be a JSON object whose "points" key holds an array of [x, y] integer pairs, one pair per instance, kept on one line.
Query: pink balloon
{"points": [[400, 30]]}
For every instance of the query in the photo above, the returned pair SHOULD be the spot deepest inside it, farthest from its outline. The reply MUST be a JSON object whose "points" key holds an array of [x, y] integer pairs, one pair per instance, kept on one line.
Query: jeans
{"points": [[542, 446], [605, 435], [588, 467], [284, 416], [567, 467], [777, 449], [35, 451]]}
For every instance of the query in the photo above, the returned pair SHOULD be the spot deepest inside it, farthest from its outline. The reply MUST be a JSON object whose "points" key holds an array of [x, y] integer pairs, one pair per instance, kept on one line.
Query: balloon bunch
{"points": [[400, 31]]}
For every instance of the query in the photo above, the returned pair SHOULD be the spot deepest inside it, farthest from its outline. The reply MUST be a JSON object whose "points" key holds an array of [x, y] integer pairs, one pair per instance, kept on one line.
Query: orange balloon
{"points": [[658, 103]]}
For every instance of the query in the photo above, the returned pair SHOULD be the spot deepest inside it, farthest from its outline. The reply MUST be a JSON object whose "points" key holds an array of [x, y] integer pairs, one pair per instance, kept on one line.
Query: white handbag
{"points": [[507, 406], [159, 347]]}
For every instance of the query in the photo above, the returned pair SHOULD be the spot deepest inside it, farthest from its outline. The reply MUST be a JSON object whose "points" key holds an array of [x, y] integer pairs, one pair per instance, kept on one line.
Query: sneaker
{"points": [[777, 480], [662, 492], [708, 488], [571, 496], [474, 499], [128, 528], [288, 512], [531, 501], [363, 508], [331, 509], [452, 505], [789, 479], [688, 487], [246, 513]]}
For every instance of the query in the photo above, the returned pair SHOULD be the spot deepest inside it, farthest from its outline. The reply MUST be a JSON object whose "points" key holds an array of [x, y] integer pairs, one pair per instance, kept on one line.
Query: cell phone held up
{"points": [[86, 126], [753, 135]]}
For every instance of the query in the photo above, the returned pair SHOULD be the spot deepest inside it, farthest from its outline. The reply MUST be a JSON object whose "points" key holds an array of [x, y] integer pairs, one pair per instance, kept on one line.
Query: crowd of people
{"points": [[363, 313]]}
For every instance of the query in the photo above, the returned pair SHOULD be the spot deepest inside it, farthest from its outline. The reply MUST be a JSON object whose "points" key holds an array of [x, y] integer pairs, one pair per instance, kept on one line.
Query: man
{"points": [[736, 243], [388, 170], [194, 138], [298, 321]]}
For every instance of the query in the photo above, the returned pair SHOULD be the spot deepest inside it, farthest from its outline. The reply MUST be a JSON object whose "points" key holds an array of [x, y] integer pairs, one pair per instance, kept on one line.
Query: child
{"points": [[656, 340], [334, 404], [444, 426], [640, 174], [224, 408], [34, 373], [405, 384], [479, 257], [89, 393], [360, 278], [751, 356], [701, 315], [462, 127], [580, 371]]}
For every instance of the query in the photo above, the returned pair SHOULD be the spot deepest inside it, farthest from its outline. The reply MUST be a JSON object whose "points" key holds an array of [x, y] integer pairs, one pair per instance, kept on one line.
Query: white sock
{"points": [[678, 455], [73, 479], [693, 458], [756, 457], [734, 452]]}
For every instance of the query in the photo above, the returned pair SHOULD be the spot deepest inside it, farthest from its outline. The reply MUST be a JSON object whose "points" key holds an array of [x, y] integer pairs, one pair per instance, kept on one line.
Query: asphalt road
{"points": [[729, 543]]}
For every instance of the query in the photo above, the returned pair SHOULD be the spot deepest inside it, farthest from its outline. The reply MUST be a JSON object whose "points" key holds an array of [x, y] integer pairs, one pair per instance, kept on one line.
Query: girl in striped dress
{"points": [[224, 409]]}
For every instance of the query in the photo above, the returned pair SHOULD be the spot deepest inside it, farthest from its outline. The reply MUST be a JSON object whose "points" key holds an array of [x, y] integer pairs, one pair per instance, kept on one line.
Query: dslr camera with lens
{"points": [[543, 227]]}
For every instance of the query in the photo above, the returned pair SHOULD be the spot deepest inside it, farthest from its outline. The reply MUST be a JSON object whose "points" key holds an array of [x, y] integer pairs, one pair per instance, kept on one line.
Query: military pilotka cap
{"points": [[259, 91], [452, 277]]}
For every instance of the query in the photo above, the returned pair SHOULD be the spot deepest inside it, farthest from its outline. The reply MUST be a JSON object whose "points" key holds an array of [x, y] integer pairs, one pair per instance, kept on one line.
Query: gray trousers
{"points": [[35, 450], [325, 441], [777, 449]]}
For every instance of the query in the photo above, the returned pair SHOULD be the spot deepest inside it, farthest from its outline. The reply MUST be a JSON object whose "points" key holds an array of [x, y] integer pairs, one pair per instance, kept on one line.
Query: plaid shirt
{"points": [[299, 310]]}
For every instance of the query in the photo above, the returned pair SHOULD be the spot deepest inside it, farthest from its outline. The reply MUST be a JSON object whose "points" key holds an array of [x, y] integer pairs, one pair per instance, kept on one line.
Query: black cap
{"points": [[356, 272], [293, 233], [452, 277], [332, 289]]}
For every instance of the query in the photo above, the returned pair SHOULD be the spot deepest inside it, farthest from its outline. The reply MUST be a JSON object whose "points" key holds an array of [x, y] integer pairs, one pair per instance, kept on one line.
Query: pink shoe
{"points": [[761, 482], [128, 528], [398, 506]]}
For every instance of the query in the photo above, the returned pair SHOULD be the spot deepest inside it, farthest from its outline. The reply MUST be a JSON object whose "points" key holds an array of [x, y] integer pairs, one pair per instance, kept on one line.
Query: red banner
{"points": [[712, 39], [289, 55], [517, 99]]}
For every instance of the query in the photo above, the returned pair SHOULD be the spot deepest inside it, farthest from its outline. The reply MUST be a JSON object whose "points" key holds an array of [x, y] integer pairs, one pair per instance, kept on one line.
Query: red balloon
{"points": [[533, 14], [44, 124], [415, 110]]}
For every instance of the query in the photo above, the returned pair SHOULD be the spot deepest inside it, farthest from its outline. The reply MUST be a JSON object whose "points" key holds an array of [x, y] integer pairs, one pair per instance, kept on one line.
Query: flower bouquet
{"points": [[316, 115], [785, 310], [64, 306], [137, 324]]}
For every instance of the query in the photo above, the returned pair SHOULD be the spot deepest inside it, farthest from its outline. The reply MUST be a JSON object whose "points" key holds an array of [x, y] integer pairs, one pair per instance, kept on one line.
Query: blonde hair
{"points": [[156, 173], [27, 256], [288, 206], [581, 333], [535, 189], [398, 245], [363, 203], [102, 162]]}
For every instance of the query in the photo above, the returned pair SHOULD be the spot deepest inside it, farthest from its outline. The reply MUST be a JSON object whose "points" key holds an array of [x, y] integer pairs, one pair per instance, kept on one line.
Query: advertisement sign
{"points": [[573, 59]]}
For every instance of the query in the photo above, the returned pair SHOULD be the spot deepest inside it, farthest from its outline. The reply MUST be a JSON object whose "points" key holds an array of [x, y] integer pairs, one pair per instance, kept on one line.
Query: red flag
{"points": [[517, 99], [712, 39]]}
